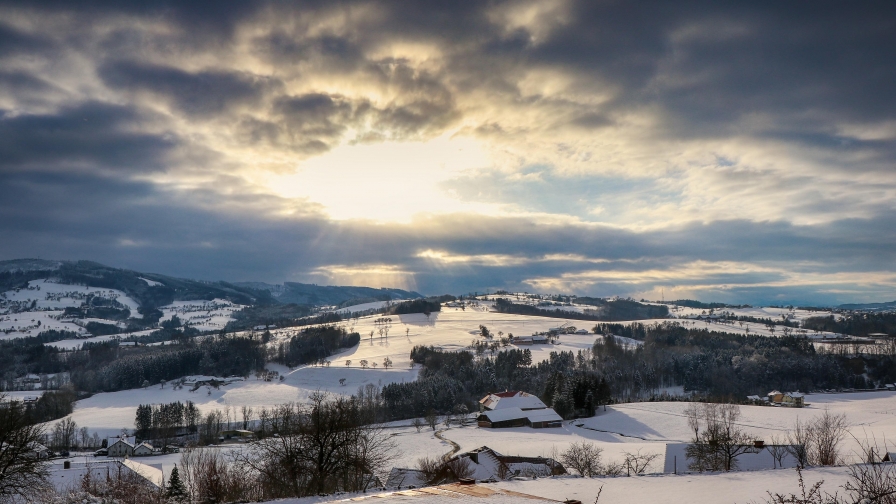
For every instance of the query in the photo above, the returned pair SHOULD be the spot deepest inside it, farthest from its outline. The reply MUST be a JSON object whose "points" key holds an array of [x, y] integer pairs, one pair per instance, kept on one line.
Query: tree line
{"points": [[716, 366]]}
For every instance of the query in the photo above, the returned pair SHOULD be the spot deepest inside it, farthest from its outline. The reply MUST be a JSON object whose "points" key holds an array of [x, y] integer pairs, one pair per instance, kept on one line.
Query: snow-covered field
{"points": [[734, 487], [644, 427], [203, 315], [448, 329], [375, 305], [18, 318], [730, 488], [639, 423]]}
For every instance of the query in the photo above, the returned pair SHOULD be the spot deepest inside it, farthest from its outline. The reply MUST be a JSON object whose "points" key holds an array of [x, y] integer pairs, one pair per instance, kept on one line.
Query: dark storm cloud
{"points": [[87, 137], [195, 94], [14, 42]]}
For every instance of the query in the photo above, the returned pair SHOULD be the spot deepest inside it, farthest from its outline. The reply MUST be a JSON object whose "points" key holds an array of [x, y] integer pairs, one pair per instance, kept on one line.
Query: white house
{"points": [[516, 409], [121, 447], [143, 449]]}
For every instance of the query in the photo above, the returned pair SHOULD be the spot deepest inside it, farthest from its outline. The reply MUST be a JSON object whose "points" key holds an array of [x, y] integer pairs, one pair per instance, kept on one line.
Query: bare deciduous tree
{"points": [[319, 447], [828, 431], [22, 473], [799, 441], [718, 439], [778, 450], [432, 419], [583, 458], [637, 462], [460, 467], [430, 467]]}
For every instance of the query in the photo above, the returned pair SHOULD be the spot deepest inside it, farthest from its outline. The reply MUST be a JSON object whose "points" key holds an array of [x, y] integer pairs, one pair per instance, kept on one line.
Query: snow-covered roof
{"points": [[129, 440], [504, 414], [401, 478], [512, 399], [453, 492], [150, 473], [543, 415]]}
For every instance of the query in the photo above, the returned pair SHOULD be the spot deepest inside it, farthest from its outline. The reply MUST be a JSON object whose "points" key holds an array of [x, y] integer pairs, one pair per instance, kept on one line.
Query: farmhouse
{"points": [[535, 339], [516, 409], [792, 399], [37, 450], [121, 447], [488, 464], [511, 399]]}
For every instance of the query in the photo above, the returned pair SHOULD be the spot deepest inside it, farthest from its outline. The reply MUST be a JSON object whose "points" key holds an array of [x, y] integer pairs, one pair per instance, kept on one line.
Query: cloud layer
{"points": [[723, 151]]}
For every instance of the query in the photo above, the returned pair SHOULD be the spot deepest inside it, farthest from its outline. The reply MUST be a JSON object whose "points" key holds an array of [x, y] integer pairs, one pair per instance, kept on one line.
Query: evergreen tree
{"points": [[143, 421], [176, 489]]}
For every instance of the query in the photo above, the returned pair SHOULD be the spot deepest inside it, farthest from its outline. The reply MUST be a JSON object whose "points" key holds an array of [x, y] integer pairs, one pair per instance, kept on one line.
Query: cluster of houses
{"points": [[515, 409], [776, 398], [127, 446]]}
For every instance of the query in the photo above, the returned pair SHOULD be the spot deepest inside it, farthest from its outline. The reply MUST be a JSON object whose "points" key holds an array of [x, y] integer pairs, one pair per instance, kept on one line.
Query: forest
{"points": [[715, 366], [856, 323], [607, 310]]}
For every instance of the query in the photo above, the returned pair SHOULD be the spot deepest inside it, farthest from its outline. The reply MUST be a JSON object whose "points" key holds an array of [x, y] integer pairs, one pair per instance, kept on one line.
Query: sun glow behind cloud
{"points": [[385, 182]]}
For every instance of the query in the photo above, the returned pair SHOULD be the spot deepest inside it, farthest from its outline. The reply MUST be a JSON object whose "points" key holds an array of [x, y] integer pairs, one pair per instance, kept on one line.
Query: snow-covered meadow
{"points": [[641, 425], [40, 306]]}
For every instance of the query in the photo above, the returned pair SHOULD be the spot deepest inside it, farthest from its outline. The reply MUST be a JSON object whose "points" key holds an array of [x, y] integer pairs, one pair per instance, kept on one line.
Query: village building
{"points": [[484, 463], [487, 464], [791, 399], [535, 339], [143, 449], [121, 447], [516, 409], [511, 399], [37, 450]]}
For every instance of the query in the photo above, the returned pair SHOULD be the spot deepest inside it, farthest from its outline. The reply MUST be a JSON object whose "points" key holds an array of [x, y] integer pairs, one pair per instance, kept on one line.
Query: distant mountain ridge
{"points": [[869, 306], [152, 290], [318, 295]]}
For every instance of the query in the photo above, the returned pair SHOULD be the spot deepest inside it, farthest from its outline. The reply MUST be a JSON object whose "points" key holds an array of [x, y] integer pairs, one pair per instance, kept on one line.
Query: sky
{"points": [[742, 152]]}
